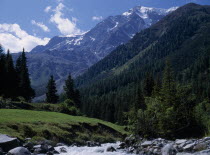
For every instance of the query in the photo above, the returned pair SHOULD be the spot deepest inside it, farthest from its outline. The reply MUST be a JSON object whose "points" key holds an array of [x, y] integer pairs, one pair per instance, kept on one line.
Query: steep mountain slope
{"points": [[183, 37], [74, 54]]}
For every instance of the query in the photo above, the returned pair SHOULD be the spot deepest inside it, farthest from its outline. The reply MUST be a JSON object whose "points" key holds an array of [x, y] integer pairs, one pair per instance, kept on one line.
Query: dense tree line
{"points": [[132, 77], [171, 112], [14, 79]]}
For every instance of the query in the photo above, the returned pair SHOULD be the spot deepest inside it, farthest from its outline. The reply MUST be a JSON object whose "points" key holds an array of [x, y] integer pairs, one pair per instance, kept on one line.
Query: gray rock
{"points": [[110, 149], [7, 143], [206, 138], [189, 147], [146, 143], [180, 141], [168, 150], [19, 151], [200, 147], [28, 145], [38, 151], [63, 150], [122, 146], [182, 145], [43, 148], [92, 144], [52, 152], [37, 146], [205, 152], [60, 144]]}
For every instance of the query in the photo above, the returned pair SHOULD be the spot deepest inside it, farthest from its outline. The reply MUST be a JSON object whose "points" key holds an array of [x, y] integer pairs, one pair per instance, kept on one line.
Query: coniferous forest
{"points": [[156, 85]]}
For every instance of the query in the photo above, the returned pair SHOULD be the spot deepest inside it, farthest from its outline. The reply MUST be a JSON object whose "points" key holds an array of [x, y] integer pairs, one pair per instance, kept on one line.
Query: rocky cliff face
{"points": [[75, 54]]}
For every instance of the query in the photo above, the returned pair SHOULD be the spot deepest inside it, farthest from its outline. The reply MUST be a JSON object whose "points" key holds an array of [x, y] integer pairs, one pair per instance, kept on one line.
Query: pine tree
{"points": [[71, 92], [11, 74], [69, 88], [168, 90], [140, 104], [157, 87], [25, 89], [2, 72], [148, 85], [51, 96]]}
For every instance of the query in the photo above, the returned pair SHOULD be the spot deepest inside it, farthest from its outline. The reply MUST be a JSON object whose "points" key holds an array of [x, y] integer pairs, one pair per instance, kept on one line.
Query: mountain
{"points": [[183, 37], [75, 54]]}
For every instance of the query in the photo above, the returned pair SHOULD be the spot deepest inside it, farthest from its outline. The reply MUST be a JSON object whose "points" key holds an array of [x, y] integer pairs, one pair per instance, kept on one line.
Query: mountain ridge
{"points": [[182, 37], [75, 54]]}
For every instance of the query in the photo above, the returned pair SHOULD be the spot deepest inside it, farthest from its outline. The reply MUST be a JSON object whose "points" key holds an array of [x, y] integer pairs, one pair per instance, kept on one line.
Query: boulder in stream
{"points": [[7, 143]]}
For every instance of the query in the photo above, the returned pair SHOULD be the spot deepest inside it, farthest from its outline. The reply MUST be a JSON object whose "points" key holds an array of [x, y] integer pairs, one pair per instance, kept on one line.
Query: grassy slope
{"points": [[56, 126]]}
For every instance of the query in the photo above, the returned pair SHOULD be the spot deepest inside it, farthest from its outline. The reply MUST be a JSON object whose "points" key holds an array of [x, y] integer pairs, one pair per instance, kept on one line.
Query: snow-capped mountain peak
{"points": [[144, 11], [74, 54]]}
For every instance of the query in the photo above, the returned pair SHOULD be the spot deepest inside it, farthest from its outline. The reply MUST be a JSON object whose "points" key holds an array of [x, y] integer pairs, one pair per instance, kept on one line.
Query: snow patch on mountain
{"points": [[77, 41], [117, 23]]}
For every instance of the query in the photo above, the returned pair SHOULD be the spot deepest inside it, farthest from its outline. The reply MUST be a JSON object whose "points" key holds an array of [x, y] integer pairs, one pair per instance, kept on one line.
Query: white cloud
{"points": [[47, 9], [97, 18], [14, 38], [65, 25], [41, 25]]}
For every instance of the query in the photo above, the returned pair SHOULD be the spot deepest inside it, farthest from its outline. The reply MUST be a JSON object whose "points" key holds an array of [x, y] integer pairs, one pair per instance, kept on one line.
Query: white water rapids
{"points": [[98, 150]]}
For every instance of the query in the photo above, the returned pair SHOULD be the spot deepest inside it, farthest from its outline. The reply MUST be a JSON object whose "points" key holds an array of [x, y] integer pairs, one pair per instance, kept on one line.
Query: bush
{"points": [[69, 102], [202, 114], [71, 110]]}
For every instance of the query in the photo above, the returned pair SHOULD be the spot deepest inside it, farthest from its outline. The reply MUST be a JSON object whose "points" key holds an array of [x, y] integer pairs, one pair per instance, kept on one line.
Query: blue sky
{"points": [[32, 22]]}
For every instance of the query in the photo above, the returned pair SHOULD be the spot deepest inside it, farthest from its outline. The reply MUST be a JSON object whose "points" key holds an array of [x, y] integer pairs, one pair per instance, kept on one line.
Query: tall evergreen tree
{"points": [[168, 90], [69, 88], [148, 85], [11, 74], [140, 104], [71, 92], [25, 89], [2, 72], [157, 87], [51, 96]]}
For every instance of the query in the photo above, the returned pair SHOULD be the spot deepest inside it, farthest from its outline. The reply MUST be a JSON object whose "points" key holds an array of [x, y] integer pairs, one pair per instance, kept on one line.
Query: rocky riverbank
{"points": [[131, 145], [14, 146], [161, 146]]}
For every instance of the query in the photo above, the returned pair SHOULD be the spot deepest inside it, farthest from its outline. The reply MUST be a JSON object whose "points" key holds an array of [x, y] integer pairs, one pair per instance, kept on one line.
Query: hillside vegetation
{"points": [[113, 86], [58, 127]]}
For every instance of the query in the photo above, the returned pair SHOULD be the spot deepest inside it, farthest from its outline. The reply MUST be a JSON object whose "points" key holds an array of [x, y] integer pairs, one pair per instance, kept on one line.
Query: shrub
{"points": [[69, 102]]}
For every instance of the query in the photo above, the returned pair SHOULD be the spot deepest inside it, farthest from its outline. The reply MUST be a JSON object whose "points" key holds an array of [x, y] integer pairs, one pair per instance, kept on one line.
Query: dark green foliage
{"points": [[183, 37], [2, 72], [69, 88], [70, 92], [51, 96], [25, 89], [14, 82], [157, 87], [148, 85], [11, 74], [171, 113], [168, 90], [140, 103]]}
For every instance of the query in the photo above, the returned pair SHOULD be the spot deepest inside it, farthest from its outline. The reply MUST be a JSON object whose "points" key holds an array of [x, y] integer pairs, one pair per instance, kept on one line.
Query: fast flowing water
{"points": [[99, 150]]}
